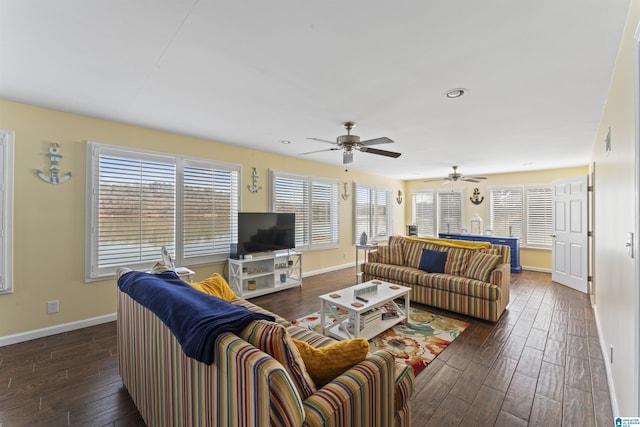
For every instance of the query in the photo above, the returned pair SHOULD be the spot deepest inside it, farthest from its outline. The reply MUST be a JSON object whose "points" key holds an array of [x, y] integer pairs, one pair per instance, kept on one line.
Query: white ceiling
{"points": [[254, 72]]}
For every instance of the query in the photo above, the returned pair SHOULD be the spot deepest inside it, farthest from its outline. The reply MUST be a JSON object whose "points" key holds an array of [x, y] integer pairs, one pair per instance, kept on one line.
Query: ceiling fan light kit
{"points": [[348, 143]]}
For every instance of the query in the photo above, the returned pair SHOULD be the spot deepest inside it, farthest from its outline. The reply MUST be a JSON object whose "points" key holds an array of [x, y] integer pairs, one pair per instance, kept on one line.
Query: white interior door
{"points": [[570, 244]]}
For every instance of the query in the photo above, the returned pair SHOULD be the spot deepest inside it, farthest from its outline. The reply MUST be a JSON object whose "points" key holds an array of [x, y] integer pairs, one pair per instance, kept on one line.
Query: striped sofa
{"points": [[246, 386], [469, 284]]}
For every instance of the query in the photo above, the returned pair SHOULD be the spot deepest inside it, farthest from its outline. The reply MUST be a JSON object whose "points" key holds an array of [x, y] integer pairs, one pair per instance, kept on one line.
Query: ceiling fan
{"points": [[348, 143], [455, 176]]}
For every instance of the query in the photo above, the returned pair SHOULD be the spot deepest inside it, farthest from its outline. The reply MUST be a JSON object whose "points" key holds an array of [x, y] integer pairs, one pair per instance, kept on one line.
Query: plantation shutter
{"points": [[291, 195], [324, 212], [422, 213], [380, 214], [210, 209], [506, 211], [136, 209], [362, 215], [450, 212], [315, 203], [372, 212], [539, 200]]}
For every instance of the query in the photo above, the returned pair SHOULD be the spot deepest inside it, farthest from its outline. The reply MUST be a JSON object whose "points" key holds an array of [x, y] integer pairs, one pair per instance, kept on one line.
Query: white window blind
{"points": [[450, 211], [139, 201], [136, 209], [539, 216], [422, 213], [6, 211], [506, 207], [372, 212], [314, 200], [210, 209]]}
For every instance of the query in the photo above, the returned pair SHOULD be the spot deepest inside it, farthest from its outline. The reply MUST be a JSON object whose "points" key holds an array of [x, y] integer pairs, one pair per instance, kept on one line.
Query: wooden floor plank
{"points": [[539, 365]]}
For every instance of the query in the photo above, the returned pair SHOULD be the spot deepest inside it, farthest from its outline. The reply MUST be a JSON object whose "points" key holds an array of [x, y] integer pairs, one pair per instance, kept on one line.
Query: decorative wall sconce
{"points": [[54, 169], [345, 194], [253, 187], [476, 199], [399, 197]]}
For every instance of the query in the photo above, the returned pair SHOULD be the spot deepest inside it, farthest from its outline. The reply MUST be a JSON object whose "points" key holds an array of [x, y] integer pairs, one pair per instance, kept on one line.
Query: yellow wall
{"points": [[534, 259], [49, 220]]}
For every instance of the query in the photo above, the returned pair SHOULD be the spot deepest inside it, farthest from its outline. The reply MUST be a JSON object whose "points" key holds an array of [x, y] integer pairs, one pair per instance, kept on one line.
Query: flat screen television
{"points": [[265, 231]]}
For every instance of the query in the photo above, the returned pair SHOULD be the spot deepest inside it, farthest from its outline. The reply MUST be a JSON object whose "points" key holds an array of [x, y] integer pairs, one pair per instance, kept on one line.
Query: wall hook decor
{"points": [[54, 169], [476, 199], [399, 197], [253, 187], [345, 194]]}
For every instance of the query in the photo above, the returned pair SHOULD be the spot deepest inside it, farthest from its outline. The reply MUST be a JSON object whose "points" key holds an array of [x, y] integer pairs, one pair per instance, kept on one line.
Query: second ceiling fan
{"points": [[455, 176], [349, 143]]}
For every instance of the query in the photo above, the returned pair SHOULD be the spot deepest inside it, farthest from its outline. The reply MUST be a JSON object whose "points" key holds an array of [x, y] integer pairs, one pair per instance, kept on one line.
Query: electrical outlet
{"points": [[53, 307], [344, 255]]}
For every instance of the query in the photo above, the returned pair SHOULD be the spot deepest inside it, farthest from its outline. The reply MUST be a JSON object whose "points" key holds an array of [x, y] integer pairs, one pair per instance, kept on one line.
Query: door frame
{"points": [[635, 246]]}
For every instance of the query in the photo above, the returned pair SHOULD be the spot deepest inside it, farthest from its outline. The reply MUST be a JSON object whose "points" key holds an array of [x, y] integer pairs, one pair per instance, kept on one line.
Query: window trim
{"points": [[7, 139], [309, 181], [93, 152]]}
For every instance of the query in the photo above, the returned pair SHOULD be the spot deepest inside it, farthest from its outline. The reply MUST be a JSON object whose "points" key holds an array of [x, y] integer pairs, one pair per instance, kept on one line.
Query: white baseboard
{"points": [[57, 329], [328, 269], [538, 269], [607, 365]]}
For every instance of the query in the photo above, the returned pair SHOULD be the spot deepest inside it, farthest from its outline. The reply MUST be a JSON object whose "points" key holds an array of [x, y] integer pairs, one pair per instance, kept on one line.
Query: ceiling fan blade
{"points": [[323, 140], [376, 141], [469, 179], [380, 152], [347, 157], [320, 151]]}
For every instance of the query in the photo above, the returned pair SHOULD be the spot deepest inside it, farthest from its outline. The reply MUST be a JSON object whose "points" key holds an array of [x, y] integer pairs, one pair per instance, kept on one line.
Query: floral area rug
{"points": [[417, 342]]}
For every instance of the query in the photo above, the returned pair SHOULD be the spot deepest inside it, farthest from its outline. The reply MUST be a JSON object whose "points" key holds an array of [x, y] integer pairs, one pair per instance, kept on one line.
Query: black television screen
{"points": [[265, 231]]}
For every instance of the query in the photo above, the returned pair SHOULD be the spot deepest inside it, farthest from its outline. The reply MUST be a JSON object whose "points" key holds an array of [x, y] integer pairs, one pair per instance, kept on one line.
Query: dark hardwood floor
{"points": [[539, 365]]}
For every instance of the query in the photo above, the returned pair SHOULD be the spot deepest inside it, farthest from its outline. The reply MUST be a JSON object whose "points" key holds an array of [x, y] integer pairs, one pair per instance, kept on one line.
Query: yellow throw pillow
{"points": [[216, 286], [327, 362]]}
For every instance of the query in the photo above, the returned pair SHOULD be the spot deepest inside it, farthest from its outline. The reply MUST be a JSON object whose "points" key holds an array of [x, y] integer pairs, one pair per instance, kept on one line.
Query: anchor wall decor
{"points": [[345, 195], [476, 199], [254, 188], [54, 176]]}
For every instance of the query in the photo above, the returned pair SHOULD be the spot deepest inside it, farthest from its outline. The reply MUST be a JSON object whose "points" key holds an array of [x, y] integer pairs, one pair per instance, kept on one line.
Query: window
{"points": [[450, 211], [524, 212], [139, 201], [423, 213], [6, 210], [438, 211], [372, 212], [539, 216], [314, 201]]}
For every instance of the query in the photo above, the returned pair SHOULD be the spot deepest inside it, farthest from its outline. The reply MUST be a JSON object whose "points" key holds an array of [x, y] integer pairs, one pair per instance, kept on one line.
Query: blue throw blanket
{"points": [[195, 318]]}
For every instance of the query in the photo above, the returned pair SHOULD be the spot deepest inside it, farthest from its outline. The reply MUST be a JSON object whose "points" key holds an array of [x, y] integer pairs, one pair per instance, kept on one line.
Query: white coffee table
{"points": [[345, 299]]}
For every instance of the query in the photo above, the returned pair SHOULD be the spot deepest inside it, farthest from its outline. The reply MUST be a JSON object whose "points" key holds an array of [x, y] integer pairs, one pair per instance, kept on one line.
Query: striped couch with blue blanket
{"points": [[475, 280], [253, 380]]}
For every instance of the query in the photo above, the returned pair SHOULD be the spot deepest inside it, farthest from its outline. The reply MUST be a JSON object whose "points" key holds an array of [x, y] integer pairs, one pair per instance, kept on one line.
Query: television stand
{"points": [[265, 273]]}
